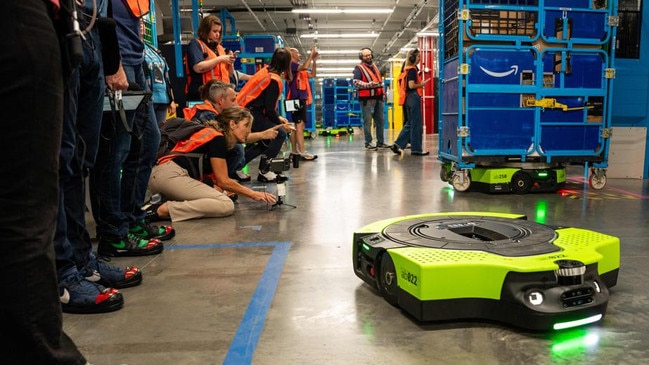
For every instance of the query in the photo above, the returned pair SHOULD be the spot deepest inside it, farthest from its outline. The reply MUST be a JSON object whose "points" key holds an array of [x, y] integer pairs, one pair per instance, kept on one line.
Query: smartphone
{"points": [[236, 53]]}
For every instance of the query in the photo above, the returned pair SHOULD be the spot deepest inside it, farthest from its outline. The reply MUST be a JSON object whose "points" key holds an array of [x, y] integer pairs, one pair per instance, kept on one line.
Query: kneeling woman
{"points": [[178, 175]]}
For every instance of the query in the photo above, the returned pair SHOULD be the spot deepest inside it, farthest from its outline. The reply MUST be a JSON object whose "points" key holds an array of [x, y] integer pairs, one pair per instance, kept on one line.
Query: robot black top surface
{"points": [[500, 236]]}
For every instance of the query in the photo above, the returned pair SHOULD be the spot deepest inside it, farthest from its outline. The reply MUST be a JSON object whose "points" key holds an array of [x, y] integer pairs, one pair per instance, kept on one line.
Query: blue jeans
{"points": [[269, 148], [372, 109], [412, 125], [83, 101], [124, 162], [31, 98], [236, 159]]}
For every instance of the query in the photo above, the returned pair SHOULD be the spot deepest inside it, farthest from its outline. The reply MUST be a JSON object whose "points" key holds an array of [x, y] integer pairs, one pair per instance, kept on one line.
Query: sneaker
{"points": [[424, 153], [79, 295], [151, 209], [241, 176], [396, 150], [382, 145], [233, 196], [369, 147], [149, 231], [267, 177], [131, 245], [308, 156], [101, 272], [151, 212]]}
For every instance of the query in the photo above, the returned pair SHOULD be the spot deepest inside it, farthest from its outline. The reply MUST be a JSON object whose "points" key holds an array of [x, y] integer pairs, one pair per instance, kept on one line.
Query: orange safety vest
{"points": [[402, 83], [138, 8], [196, 140], [302, 83], [189, 113], [258, 83], [370, 74], [220, 72]]}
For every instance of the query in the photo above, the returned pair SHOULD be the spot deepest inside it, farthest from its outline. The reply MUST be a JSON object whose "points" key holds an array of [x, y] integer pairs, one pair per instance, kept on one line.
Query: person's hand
{"points": [[271, 133], [171, 109], [118, 80], [314, 52], [264, 197], [228, 58]]}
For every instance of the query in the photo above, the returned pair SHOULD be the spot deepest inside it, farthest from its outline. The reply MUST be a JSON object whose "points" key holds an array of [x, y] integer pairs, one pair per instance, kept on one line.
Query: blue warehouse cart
{"points": [[526, 90]]}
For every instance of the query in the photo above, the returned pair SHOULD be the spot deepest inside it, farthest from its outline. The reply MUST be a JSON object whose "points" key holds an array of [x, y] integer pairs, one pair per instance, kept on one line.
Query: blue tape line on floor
{"points": [[245, 340], [242, 347]]}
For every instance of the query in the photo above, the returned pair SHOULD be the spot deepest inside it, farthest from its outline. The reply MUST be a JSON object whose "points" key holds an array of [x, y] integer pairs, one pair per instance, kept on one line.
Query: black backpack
{"points": [[174, 130]]}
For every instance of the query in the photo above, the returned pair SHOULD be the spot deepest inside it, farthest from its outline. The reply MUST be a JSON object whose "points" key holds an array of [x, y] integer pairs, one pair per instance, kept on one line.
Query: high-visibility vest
{"points": [[256, 85], [189, 113], [138, 8], [302, 83], [190, 144], [220, 72], [402, 83], [370, 73]]}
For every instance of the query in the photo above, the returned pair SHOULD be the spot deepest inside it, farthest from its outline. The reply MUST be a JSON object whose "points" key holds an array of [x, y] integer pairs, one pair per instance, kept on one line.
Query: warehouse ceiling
{"points": [[396, 29]]}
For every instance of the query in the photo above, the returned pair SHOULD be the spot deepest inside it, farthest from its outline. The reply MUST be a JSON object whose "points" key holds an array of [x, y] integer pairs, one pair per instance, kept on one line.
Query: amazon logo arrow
{"points": [[514, 70]]}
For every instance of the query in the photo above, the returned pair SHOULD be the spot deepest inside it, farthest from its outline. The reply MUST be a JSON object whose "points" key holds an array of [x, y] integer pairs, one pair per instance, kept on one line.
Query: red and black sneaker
{"points": [[99, 271], [131, 245], [147, 230], [79, 295]]}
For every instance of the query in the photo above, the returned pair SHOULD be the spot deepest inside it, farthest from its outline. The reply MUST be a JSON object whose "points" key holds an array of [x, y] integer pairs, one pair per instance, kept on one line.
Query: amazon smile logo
{"points": [[514, 70]]}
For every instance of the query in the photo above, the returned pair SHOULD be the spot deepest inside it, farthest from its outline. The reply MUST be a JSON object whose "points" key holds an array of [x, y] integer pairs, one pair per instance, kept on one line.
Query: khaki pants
{"points": [[187, 197]]}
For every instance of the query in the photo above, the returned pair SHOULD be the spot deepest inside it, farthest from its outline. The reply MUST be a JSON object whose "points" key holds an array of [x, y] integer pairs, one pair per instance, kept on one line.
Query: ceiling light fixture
{"points": [[339, 35], [338, 62], [336, 51], [348, 75], [343, 11], [336, 69], [427, 34]]}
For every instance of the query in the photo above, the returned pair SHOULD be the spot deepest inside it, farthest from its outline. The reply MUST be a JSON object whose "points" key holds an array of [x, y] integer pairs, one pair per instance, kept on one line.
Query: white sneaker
{"points": [[242, 176], [308, 156], [267, 177]]}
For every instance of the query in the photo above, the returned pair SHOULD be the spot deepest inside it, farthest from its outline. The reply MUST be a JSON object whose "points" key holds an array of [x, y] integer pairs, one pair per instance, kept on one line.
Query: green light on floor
{"points": [[541, 214], [574, 343], [328, 141], [579, 322]]}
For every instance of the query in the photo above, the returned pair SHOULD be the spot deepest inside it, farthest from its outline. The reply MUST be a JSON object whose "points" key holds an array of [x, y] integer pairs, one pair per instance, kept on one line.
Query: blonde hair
{"points": [[222, 122]]}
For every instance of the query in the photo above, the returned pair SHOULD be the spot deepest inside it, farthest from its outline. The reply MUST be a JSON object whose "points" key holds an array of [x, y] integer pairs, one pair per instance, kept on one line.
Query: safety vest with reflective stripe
{"points": [[402, 83], [190, 113], [302, 83], [220, 72], [256, 85], [138, 8], [370, 74], [190, 144]]}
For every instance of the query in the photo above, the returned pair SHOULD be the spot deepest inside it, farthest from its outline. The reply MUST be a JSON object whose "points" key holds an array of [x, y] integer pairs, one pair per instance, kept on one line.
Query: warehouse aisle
{"points": [[277, 287]]}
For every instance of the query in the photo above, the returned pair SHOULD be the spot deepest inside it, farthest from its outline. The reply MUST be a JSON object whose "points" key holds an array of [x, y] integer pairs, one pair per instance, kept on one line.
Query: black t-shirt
{"points": [[216, 148], [412, 75], [266, 102]]}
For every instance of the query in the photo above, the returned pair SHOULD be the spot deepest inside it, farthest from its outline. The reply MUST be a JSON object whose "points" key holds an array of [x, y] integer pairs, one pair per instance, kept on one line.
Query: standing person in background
{"points": [[206, 59], [121, 175], [371, 96], [300, 88], [30, 312], [260, 95], [157, 76], [410, 84]]}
